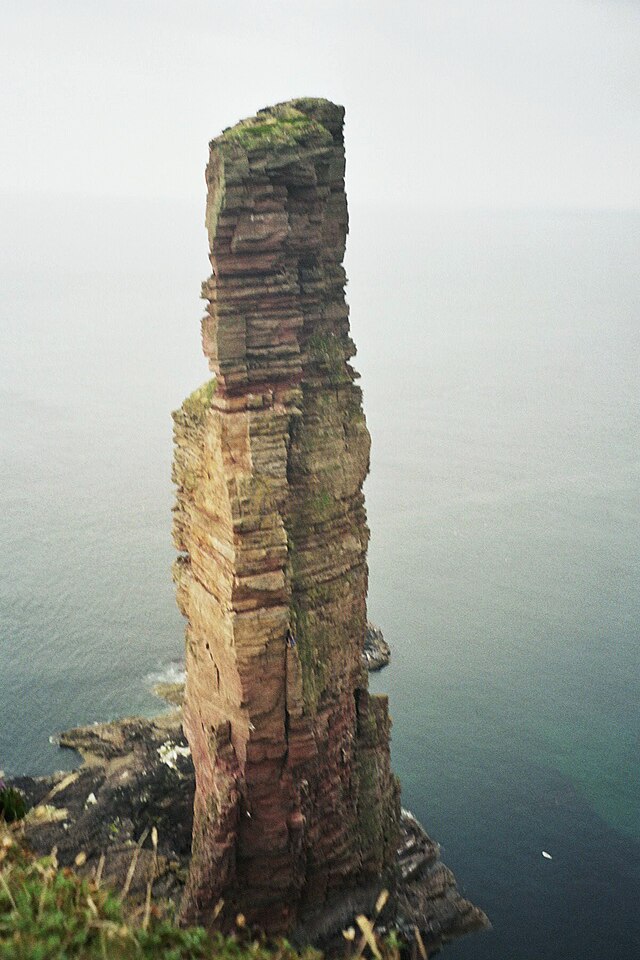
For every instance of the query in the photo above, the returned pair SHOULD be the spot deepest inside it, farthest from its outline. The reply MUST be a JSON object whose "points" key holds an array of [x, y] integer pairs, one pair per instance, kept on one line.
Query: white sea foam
{"points": [[173, 672]]}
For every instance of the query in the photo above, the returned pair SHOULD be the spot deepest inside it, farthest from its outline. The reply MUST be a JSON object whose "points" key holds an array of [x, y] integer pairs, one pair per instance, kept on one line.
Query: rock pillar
{"points": [[295, 801]]}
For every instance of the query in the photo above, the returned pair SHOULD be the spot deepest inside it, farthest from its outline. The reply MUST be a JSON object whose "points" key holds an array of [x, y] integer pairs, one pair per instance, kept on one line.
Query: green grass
{"points": [[321, 506], [328, 351], [310, 643], [288, 127]]}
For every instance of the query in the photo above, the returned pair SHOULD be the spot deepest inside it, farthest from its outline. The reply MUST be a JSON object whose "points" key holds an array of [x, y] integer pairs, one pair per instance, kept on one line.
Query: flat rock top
{"points": [[306, 121]]}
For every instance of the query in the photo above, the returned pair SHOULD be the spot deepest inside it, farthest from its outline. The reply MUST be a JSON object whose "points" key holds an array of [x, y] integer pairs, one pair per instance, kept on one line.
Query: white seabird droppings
{"points": [[169, 753]]}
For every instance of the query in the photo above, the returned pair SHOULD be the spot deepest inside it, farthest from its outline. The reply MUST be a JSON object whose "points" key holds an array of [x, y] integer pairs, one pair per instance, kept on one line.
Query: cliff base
{"points": [[138, 773]]}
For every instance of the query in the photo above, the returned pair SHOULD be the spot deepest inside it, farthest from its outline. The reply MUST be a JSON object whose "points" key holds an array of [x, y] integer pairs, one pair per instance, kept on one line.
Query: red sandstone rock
{"points": [[296, 806], [270, 521]]}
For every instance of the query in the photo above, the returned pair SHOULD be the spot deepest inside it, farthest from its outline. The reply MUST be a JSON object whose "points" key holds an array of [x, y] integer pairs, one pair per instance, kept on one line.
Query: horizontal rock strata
{"points": [[376, 654], [295, 800]]}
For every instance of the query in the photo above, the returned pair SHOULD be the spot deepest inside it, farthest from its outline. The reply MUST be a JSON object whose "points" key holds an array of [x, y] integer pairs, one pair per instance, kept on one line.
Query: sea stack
{"points": [[295, 800], [297, 813]]}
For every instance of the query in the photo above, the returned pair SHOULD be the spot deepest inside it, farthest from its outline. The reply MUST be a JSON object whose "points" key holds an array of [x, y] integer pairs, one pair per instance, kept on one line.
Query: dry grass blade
{"points": [[147, 905], [43, 893], [98, 876], [368, 937], [7, 891], [59, 787], [217, 909], [45, 813], [92, 906], [133, 864], [154, 863], [381, 901], [420, 942]]}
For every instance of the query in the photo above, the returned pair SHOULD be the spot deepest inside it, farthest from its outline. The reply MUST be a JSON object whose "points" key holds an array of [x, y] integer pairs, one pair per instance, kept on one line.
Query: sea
{"points": [[499, 353]]}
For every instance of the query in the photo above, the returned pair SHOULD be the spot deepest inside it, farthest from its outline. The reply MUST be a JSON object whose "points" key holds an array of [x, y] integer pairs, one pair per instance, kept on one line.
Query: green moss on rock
{"points": [[197, 404], [327, 351], [283, 126], [370, 812], [321, 506], [310, 644]]}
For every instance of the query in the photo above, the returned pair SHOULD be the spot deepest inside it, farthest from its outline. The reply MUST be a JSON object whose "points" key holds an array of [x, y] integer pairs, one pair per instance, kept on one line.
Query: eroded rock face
{"points": [[295, 799], [297, 817]]}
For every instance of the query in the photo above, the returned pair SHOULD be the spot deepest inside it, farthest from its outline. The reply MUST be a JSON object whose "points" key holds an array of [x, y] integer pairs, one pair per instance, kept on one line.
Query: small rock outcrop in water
{"points": [[297, 816], [376, 652]]}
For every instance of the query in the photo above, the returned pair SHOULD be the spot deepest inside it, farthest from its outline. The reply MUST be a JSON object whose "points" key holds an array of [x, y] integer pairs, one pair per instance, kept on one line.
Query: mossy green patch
{"points": [[197, 404], [327, 351], [369, 807], [285, 127], [319, 594], [310, 644], [320, 506]]}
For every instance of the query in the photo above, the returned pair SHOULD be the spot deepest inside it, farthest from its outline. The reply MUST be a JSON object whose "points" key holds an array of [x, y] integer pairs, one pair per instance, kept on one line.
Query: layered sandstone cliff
{"points": [[295, 803]]}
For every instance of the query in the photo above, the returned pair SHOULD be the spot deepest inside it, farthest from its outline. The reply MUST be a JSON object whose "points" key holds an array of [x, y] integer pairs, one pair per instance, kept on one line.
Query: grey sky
{"points": [[466, 102]]}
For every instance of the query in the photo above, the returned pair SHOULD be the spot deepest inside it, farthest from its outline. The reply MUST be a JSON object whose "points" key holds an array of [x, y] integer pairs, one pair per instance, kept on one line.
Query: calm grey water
{"points": [[499, 355]]}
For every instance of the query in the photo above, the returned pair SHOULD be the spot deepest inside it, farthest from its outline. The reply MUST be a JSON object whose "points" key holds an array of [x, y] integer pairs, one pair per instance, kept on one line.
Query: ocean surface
{"points": [[499, 359]]}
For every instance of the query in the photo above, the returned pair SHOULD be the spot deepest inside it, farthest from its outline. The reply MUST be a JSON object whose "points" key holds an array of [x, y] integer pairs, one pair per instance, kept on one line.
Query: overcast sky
{"points": [[465, 102]]}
